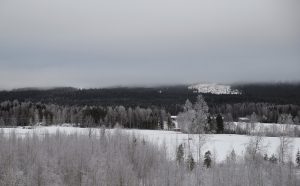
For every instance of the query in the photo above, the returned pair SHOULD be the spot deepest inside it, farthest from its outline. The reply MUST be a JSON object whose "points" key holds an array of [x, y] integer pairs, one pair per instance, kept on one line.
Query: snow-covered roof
{"points": [[244, 119]]}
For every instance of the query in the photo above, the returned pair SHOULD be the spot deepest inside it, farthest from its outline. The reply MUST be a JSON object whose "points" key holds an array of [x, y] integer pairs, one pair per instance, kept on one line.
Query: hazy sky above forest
{"points": [[97, 43]]}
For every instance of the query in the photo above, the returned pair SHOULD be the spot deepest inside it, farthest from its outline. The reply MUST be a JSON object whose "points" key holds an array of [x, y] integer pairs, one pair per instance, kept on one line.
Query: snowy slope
{"points": [[219, 144], [214, 89]]}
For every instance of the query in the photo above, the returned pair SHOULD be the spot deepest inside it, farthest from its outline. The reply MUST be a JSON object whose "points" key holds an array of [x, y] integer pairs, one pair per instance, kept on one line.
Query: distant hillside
{"points": [[280, 93], [169, 97]]}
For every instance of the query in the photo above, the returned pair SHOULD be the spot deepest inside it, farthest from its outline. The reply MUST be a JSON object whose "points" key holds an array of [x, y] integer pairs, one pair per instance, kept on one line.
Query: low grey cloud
{"points": [[104, 43]]}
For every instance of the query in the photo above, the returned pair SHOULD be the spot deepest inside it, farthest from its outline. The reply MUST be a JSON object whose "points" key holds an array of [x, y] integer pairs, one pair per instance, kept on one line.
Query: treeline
{"points": [[15, 113], [265, 112], [170, 98]]}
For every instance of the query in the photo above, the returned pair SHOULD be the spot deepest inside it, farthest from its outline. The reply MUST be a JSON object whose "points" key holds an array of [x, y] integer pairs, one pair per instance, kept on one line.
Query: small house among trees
{"points": [[175, 123], [244, 119]]}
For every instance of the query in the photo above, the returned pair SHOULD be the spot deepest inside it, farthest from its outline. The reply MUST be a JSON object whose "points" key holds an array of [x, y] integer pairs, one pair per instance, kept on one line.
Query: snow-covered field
{"points": [[214, 89], [219, 144]]}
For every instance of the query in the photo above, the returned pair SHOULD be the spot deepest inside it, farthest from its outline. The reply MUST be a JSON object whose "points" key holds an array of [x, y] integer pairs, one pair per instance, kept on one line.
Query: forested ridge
{"points": [[143, 107], [167, 96]]}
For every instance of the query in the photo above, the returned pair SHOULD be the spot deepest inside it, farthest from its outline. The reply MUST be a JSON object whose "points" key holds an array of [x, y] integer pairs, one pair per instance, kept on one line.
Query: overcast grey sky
{"points": [[96, 43]]}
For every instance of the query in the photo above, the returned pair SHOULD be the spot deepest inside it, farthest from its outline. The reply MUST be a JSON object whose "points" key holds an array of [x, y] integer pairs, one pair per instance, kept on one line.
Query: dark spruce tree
{"points": [[170, 123], [190, 162], [273, 159], [266, 158], [298, 158], [180, 154], [207, 159], [220, 124]]}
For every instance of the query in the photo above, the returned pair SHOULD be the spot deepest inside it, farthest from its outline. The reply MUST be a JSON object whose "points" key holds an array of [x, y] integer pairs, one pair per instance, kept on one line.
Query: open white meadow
{"points": [[219, 144]]}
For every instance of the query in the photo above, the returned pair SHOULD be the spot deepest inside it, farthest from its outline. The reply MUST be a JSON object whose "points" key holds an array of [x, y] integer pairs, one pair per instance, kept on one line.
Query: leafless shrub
{"points": [[120, 159]]}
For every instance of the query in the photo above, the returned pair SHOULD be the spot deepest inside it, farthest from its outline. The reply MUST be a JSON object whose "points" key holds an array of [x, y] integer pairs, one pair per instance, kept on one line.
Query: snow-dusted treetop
{"points": [[214, 88]]}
